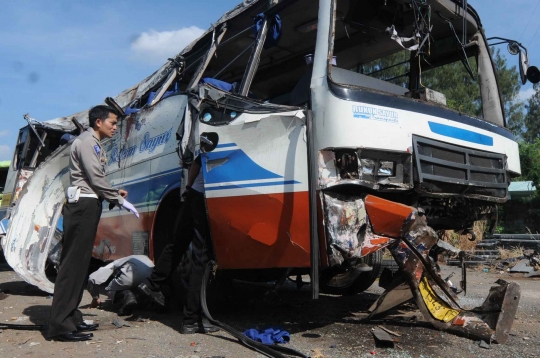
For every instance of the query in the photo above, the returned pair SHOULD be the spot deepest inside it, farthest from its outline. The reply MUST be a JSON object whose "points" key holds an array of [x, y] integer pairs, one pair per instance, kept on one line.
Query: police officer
{"points": [[193, 228], [81, 217], [118, 281]]}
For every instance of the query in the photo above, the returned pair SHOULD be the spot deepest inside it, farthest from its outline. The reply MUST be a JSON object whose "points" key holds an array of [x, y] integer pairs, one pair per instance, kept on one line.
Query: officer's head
{"points": [[103, 120]]}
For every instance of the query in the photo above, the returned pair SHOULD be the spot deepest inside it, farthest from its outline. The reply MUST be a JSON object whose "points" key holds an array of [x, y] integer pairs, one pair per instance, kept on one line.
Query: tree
{"points": [[510, 85], [462, 92], [532, 118], [529, 154]]}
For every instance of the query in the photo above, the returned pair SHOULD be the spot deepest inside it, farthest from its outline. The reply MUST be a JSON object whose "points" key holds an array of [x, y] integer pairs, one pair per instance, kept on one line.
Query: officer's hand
{"points": [[123, 193]]}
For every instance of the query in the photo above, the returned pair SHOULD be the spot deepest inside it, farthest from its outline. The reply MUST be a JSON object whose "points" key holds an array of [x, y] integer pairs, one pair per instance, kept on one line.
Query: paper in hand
{"points": [[129, 207]]}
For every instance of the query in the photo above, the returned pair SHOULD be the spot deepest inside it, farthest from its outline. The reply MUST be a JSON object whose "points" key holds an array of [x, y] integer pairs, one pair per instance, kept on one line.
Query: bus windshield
{"points": [[414, 51]]}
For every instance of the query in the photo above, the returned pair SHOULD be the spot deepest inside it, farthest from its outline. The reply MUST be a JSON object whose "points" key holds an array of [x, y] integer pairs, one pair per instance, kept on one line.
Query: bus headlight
{"points": [[386, 169]]}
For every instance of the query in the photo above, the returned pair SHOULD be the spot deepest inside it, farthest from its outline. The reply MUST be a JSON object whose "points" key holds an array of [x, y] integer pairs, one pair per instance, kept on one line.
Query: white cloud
{"points": [[4, 133], [5, 152], [525, 94], [155, 46]]}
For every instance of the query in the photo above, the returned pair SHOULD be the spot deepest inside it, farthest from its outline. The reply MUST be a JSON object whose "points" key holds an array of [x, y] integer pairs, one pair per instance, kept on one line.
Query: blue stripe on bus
{"points": [[459, 133], [237, 166], [170, 171], [149, 188]]}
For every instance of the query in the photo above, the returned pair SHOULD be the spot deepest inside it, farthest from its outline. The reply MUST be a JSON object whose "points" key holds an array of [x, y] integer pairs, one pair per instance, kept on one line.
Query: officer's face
{"points": [[107, 127]]}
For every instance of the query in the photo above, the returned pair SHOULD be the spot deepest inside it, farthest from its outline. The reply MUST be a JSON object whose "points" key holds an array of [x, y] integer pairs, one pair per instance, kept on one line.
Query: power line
{"points": [[530, 17]]}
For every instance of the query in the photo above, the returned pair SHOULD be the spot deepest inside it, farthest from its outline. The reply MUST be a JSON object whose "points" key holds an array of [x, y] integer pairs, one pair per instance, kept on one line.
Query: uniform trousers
{"points": [[81, 220], [191, 227]]}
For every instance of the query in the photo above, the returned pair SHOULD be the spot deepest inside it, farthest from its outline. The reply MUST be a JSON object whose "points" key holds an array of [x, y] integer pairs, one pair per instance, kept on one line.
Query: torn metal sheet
{"points": [[434, 297], [34, 222], [350, 233], [344, 218], [327, 168]]}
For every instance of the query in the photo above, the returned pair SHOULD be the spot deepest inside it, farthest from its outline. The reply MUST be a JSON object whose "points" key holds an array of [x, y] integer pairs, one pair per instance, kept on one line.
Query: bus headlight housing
{"points": [[372, 168]]}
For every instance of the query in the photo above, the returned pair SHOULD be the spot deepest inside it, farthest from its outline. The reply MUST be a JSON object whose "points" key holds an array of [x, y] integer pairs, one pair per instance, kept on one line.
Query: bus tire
{"points": [[338, 282]]}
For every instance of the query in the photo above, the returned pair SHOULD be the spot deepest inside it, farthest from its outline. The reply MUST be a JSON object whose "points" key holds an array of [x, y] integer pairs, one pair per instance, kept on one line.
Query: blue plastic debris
{"points": [[268, 336]]}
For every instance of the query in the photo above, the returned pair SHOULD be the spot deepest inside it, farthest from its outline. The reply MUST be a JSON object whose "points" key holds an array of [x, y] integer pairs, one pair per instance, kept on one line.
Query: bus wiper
{"points": [[460, 48]]}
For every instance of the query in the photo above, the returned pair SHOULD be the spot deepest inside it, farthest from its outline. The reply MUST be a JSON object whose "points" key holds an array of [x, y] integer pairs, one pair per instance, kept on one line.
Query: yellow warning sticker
{"points": [[436, 306]]}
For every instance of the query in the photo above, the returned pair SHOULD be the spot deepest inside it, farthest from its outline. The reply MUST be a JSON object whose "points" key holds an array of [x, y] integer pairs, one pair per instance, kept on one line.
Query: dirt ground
{"points": [[329, 327]]}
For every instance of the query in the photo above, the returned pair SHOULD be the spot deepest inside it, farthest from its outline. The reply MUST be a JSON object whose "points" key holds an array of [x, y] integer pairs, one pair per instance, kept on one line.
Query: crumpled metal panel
{"points": [[65, 124], [439, 305], [350, 227], [33, 222], [344, 218]]}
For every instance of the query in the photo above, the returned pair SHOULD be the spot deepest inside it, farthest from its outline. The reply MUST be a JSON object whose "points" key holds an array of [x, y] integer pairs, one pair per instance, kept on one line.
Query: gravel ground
{"points": [[329, 327]]}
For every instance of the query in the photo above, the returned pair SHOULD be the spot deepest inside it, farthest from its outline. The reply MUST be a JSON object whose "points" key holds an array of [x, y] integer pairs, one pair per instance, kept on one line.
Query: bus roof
{"points": [[142, 88]]}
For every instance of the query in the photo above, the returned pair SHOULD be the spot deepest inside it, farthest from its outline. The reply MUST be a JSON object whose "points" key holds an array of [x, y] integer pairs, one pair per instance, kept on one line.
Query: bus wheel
{"points": [[347, 281]]}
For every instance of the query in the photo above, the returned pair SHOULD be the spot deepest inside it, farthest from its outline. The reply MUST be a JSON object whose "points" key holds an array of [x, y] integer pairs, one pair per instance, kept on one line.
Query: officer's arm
{"points": [[90, 161]]}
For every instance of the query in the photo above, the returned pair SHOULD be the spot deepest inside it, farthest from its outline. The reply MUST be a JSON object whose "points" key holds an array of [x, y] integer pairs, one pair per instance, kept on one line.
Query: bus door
{"points": [[255, 182]]}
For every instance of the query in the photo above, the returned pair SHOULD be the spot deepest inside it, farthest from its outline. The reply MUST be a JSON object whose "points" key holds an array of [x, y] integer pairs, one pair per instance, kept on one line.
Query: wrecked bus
{"points": [[327, 134]]}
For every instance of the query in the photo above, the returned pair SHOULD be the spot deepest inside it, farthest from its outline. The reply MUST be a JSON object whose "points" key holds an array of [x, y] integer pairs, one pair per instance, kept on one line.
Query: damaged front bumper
{"points": [[358, 226], [439, 305]]}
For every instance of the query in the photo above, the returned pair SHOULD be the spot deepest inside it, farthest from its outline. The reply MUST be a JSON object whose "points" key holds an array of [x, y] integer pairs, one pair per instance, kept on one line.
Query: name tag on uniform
{"points": [[97, 150]]}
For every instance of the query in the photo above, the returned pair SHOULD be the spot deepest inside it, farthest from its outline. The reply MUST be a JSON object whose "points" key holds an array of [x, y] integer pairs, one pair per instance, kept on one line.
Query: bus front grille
{"points": [[450, 169]]}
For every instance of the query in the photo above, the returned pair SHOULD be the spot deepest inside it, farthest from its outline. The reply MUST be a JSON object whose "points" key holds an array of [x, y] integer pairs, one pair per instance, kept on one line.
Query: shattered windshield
{"points": [[408, 48]]}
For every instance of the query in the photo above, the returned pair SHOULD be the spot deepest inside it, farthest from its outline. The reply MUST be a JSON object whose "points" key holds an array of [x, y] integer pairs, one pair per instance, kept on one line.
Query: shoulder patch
{"points": [[97, 150]]}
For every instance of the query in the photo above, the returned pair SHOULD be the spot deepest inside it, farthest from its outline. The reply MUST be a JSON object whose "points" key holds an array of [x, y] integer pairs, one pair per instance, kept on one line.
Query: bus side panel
{"points": [[256, 192], [261, 231], [143, 161], [123, 235]]}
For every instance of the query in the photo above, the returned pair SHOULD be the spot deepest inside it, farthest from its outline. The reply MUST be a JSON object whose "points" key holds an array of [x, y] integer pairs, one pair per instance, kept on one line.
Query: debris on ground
{"points": [[382, 338], [484, 344], [389, 331], [119, 323]]}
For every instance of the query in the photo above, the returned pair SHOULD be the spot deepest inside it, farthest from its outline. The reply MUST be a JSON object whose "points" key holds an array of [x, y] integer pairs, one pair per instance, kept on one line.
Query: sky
{"points": [[59, 57]]}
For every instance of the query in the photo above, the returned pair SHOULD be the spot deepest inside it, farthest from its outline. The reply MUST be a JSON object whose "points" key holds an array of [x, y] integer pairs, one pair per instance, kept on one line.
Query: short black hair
{"points": [[99, 112]]}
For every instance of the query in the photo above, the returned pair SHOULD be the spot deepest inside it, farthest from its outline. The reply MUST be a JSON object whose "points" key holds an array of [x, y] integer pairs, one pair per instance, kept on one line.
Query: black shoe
{"points": [[83, 327], [129, 302], [74, 337], [190, 328], [200, 327], [156, 296]]}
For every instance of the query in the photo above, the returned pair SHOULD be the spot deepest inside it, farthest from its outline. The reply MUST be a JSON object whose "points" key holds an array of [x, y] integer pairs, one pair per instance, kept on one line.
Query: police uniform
{"points": [[87, 171]]}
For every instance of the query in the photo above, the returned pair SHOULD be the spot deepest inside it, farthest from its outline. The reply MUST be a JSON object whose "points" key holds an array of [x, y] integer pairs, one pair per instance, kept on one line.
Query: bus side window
{"points": [[282, 63]]}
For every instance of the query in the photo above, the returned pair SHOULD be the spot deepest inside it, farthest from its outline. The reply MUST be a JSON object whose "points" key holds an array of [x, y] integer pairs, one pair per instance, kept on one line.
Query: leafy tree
{"points": [[462, 92], [393, 68], [529, 154], [532, 118]]}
